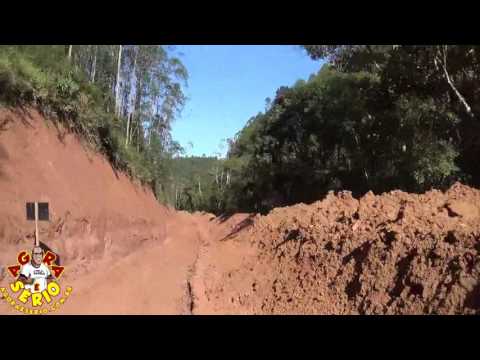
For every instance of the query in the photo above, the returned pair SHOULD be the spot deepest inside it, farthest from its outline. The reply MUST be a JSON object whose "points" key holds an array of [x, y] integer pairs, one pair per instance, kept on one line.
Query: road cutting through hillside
{"points": [[124, 253], [155, 279], [396, 253]]}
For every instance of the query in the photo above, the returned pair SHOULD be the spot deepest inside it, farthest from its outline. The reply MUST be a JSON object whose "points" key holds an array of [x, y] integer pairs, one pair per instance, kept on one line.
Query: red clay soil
{"points": [[124, 253], [92, 207], [396, 253], [96, 213]]}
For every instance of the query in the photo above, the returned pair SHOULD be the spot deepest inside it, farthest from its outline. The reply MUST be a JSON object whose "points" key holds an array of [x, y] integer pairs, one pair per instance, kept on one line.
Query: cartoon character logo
{"points": [[36, 282]]}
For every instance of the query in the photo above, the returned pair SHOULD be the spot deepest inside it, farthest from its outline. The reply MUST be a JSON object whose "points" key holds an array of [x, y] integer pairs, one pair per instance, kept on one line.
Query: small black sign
{"points": [[43, 214]]}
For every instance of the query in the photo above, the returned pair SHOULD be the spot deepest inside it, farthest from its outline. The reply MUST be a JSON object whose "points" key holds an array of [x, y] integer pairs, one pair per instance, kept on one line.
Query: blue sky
{"points": [[228, 84]]}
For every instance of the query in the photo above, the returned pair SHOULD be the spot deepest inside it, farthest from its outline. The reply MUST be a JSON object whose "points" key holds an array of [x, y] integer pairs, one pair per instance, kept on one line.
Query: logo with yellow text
{"points": [[35, 287]]}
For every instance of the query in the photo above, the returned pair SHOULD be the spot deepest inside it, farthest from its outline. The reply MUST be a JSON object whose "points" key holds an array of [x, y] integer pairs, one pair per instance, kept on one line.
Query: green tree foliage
{"points": [[200, 183], [77, 85], [374, 118]]}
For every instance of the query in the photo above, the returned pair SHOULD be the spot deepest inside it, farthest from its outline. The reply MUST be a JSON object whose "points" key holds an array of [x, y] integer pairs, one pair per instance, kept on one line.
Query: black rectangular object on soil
{"points": [[43, 214]]}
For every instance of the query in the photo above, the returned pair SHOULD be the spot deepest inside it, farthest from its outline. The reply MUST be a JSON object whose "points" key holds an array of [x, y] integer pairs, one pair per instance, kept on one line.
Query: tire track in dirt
{"points": [[159, 277], [218, 258], [154, 280]]}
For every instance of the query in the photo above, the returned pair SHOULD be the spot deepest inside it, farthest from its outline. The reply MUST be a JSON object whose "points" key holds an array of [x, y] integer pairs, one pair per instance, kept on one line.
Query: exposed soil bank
{"points": [[124, 253]]}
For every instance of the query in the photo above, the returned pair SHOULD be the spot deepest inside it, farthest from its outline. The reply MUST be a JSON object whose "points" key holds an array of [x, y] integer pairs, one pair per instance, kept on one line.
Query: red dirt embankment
{"points": [[93, 209], [123, 252]]}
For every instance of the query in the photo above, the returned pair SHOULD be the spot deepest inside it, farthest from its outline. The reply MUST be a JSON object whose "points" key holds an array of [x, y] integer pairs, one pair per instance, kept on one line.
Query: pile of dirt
{"points": [[396, 253]]}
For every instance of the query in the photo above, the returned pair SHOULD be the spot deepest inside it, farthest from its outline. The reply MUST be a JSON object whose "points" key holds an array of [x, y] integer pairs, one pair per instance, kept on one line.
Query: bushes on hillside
{"points": [[62, 93]]}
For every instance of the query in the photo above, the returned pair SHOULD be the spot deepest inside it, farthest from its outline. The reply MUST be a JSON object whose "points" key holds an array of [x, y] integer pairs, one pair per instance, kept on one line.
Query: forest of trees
{"points": [[122, 99], [199, 183], [375, 117]]}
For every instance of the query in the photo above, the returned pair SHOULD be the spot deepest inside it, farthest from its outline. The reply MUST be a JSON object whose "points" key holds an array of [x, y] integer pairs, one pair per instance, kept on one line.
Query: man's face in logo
{"points": [[37, 256]]}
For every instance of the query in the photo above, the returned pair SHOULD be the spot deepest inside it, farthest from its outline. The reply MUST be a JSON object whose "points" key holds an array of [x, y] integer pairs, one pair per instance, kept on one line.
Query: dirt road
{"points": [[169, 277], [123, 251], [152, 280], [163, 277], [396, 253]]}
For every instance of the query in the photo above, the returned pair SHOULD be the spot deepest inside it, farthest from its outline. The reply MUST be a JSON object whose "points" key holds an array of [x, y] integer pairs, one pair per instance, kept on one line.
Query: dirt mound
{"points": [[397, 253]]}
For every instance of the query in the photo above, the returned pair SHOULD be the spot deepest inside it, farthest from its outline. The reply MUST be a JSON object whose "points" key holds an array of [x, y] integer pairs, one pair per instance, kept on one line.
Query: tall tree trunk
{"points": [[138, 93], [128, 128], [134, 73], [132, 130], [138, 137], [70, 52], [443, 63], [94, 65], [176, 197], [117, 82], [365, 172]]}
